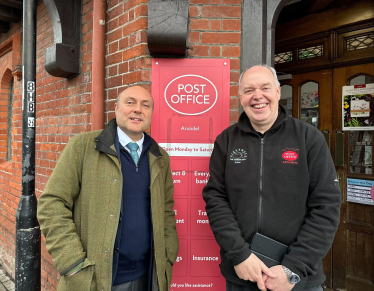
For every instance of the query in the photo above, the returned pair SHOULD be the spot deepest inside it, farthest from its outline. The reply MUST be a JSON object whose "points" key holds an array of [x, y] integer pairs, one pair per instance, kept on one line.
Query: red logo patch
{"points": [[290, 156]]}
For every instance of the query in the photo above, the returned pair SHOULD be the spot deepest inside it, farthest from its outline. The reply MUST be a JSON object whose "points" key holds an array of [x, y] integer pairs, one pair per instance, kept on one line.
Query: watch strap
{"points": [[292, 277]]}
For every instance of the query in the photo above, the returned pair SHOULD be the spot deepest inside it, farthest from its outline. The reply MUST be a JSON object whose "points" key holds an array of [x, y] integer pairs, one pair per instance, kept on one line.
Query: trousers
{"points": [[139, 284]]}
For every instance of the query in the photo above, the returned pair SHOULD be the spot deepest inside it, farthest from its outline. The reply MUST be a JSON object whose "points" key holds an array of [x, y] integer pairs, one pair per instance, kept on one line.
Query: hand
{"points": [[280, 282], [252, 269]]}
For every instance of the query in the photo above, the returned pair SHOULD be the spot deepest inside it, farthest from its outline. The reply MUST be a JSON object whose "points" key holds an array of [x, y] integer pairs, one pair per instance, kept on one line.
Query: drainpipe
{"points": [[98, 65]]}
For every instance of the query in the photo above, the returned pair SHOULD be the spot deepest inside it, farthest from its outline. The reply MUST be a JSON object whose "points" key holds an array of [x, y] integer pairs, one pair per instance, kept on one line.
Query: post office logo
{"points": [[191, 94], [290, 156], [238, 156]]}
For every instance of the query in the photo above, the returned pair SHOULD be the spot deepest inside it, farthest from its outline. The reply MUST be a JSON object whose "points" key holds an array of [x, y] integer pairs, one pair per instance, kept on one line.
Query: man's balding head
{"points": [[134, 90]]}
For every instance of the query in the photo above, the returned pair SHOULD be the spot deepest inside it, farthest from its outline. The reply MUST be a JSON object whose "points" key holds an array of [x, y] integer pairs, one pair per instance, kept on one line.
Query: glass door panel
{"points": [[286, 98], [360, 151], [360, 142], [311, 98], [309, 103]]}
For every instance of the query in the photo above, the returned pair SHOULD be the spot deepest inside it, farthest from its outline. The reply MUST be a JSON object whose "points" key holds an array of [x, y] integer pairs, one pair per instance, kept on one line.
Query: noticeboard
{"points": [[192, 106], [358, 107], [360, 191]]}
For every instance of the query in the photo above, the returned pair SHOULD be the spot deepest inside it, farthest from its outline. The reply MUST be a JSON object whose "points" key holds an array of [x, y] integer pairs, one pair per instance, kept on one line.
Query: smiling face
{"points": [[134, 112], [259, 97]]}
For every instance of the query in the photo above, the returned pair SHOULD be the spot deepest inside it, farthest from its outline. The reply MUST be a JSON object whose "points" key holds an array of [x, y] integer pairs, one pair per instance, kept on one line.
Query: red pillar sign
{"points": [[192, 106]]}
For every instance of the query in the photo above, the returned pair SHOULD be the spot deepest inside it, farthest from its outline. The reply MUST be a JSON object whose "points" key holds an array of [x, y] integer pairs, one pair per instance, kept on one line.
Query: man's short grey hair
{"points": [[271, 69]]}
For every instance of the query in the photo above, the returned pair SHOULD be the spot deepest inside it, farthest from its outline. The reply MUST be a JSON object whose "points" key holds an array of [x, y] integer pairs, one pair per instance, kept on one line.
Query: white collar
{"points": [[124, 140]]}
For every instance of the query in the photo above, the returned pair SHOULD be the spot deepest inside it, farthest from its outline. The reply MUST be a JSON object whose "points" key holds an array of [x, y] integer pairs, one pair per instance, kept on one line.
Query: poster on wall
{"points": [[358, 107], [360, 191], [192, 106]]}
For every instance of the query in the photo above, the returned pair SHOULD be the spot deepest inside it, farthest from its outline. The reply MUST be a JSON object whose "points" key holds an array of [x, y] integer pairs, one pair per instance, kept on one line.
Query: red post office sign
{"points": [[192, 106]]}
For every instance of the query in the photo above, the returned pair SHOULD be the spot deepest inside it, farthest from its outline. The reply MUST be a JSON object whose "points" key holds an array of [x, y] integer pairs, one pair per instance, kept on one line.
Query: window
{"points": [[10, 122], [286, 98], [309, 103], [6, 115], [311, 52], [360, 142], [283, 57], [360, 42]]}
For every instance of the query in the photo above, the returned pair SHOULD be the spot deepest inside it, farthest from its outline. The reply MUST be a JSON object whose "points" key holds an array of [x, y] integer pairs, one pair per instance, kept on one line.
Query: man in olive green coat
{"points": [[82, 211]]}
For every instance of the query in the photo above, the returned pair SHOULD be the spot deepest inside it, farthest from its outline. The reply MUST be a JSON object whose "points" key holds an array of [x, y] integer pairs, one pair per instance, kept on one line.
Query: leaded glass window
{"points": [[360, 42], [283, 57], [311, 52]]}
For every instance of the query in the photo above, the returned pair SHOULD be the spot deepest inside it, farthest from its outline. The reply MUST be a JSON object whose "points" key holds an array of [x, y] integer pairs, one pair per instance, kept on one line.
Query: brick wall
{"points": [[127, 61], [215, 32], [10, 170], [64, 105]]}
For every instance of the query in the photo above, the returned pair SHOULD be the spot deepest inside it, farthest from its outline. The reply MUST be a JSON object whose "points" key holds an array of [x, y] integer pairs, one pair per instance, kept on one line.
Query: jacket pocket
{"points": [[81, 281]]}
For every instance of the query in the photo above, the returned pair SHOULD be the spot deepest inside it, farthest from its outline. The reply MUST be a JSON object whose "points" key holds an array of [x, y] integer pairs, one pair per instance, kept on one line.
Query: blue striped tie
{"points": [[133, 146]]}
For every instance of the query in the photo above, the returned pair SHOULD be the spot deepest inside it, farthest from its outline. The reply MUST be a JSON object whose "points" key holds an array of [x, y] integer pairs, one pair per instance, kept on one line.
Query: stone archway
{"points": [[259, 18]]}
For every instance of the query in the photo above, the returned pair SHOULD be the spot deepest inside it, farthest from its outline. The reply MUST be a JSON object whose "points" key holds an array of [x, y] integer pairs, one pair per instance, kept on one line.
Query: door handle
{"points": [[340, 177], [326, 134]]}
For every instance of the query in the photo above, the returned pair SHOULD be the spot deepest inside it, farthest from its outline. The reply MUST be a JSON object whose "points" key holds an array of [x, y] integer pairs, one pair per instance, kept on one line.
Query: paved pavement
{"points": [[6, 282]]}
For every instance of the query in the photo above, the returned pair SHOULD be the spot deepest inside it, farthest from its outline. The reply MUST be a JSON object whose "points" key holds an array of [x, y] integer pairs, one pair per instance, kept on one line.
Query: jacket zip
{"points": [[259, 219]]}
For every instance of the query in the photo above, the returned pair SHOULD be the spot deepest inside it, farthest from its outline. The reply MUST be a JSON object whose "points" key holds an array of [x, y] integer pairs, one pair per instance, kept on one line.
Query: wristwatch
{"points": [[292, 277]]}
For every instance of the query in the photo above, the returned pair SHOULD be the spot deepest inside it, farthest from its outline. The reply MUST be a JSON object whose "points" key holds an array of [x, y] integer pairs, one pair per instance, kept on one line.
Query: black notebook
{"points": [[271, 253]]}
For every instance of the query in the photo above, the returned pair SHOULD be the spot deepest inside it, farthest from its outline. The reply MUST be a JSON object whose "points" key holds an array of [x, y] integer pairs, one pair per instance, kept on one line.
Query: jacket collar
{"points": [[107, 141], [245, 124]]}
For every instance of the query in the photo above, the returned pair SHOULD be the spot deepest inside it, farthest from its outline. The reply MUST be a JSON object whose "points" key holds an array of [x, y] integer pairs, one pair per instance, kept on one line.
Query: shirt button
{"points": [[111, 215], [106, 252], [115, 180], [116, 250]]}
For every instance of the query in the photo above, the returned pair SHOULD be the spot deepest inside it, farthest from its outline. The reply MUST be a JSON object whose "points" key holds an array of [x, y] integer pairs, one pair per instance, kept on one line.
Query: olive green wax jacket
{"points": [[79, 211]]}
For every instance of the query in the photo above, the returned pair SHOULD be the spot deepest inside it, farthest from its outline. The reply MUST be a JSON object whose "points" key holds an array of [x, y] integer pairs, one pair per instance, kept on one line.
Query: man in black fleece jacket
{"points": [[271, 174]]}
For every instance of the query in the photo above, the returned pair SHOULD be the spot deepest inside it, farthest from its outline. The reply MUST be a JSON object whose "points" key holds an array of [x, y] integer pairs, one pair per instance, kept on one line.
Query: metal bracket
{"points": [[167, 27], [62, 59], [284, 77], [326, 134]]}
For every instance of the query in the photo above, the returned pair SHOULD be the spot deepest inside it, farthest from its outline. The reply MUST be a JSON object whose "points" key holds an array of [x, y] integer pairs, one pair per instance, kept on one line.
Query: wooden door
{"points": [[353, 249], [349, 265], [302, 108], [323, 103]]}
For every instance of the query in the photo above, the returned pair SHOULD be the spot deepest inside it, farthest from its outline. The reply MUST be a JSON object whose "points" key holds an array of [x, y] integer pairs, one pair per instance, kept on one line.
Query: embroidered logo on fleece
{"points": [[238, 156], [290, 156]]}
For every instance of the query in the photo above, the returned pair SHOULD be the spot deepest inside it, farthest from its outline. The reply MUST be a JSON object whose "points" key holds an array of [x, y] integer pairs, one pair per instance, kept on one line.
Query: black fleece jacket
{"points": [[282, 184]]}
